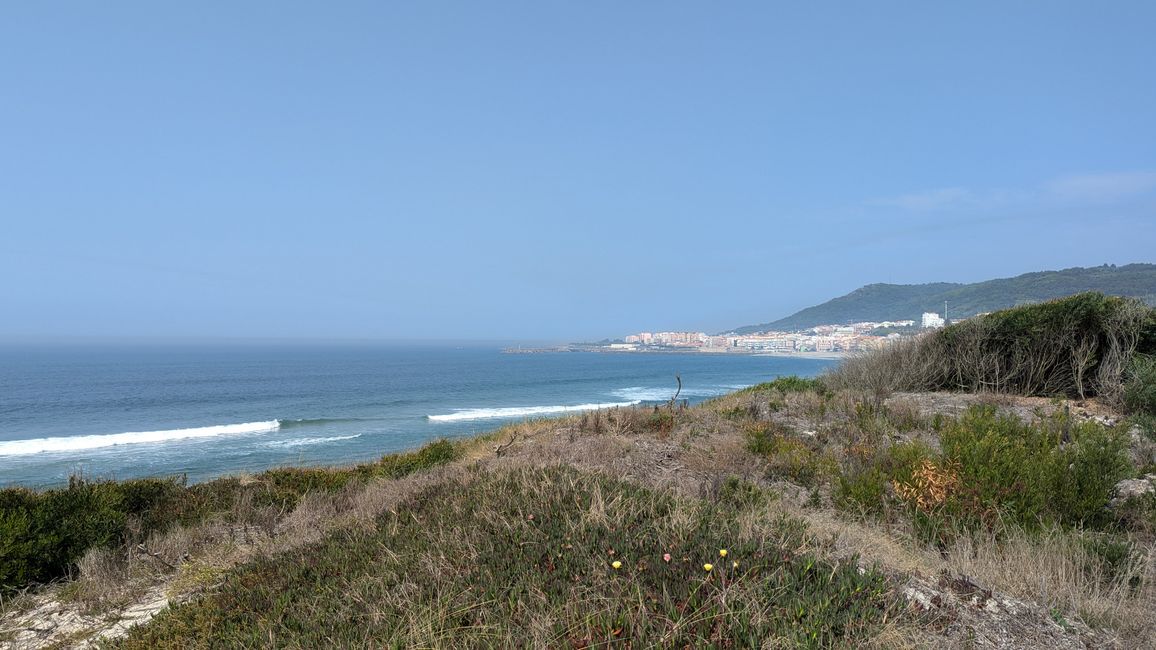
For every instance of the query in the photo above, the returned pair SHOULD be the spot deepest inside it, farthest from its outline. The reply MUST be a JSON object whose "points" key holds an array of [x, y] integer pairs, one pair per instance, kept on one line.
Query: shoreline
{"points": [[827, 356]]}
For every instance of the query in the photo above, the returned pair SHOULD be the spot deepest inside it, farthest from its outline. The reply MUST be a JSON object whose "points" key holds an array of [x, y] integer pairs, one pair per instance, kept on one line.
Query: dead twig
{"points": [[501, 448]]}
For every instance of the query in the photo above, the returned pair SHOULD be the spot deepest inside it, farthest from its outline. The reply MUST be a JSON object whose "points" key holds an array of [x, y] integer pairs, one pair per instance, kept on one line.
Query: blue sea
{"points": [[204, 411]]}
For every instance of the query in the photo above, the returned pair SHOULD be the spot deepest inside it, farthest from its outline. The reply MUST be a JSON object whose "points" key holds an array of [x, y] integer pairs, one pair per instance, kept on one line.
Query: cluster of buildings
{"points": [[855, 337]]}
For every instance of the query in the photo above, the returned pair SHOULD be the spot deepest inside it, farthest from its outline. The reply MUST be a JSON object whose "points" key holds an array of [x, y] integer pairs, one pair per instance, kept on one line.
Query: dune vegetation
{"points": [[982, 486]]}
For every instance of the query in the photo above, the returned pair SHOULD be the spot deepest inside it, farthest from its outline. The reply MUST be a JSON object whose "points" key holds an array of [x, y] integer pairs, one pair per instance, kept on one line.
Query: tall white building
{"points": [[931, 320]]}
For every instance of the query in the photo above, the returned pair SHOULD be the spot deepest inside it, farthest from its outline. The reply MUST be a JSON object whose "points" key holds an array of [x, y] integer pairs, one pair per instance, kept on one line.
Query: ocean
{"points": [[204, 411]]}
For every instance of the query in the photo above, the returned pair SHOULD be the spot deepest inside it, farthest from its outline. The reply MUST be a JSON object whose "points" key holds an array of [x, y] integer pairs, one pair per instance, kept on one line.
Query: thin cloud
{"points": [[1102, 187], [1065, 191], [928, 200]]}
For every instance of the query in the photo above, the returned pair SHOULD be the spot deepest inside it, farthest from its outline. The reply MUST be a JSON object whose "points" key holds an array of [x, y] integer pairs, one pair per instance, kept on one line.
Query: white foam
{"points": [[521, 411], [77, 443], [301, 442], [661, 394]]}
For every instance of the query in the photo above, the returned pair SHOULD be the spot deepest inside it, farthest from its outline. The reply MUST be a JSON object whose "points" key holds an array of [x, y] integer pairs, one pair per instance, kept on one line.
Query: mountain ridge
{"points": [[882, 301]]}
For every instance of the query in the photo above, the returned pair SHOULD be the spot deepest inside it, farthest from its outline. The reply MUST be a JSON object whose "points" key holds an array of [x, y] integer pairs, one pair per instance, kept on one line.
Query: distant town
{"points": [[818, 341]]}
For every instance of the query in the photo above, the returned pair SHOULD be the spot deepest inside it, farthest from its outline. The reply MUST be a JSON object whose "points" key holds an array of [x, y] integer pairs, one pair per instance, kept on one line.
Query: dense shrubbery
{"points": [[284, 486], [865, 485], [1077, 346], [789, 384], [529, 558], [1140, 385], [995, 470], [1059, 471], [43, 534]]}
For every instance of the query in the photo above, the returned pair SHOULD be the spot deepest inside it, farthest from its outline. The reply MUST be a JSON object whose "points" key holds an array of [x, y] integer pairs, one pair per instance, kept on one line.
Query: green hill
{"points": [[879, 302]]}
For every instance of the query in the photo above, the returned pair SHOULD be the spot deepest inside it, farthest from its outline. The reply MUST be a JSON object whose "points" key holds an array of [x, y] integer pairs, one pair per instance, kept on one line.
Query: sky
{"points": [[552, 170]]}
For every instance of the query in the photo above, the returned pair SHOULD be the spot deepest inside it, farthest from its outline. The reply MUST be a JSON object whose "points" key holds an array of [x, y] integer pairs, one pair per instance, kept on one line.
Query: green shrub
{"points": [[659, 421], [788, 456], [736, 493], [44, 534], [865, 490], [1075, 346], [1084, 474], [1023, 473], [1140, 385], [762, 437], [439, 452], [865, 484], [789, 384]]}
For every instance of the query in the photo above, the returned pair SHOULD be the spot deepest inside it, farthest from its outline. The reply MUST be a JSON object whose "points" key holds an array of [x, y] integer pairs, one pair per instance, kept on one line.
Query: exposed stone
{"points": [[1132, 488], [976, 617]]}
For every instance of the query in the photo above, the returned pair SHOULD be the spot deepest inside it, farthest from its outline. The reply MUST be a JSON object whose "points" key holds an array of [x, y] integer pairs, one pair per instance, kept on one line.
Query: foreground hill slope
{"points": [[797, 513], [879, 302]]}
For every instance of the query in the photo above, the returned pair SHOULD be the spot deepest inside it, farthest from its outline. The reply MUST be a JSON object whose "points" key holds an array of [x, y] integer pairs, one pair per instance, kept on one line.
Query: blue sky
{"points": [[547, 170]]}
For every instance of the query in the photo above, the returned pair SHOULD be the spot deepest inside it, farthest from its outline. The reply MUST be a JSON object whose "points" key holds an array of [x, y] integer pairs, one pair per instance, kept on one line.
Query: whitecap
{"points": [[521, 411], [78, 443]]}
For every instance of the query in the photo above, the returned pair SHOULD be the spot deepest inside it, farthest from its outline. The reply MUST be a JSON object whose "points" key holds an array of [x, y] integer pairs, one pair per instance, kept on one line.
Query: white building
{"points": [[931, 320]]}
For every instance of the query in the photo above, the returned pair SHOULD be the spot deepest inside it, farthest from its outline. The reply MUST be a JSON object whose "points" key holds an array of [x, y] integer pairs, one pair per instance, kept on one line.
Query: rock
{"points": [[1132, 488]]}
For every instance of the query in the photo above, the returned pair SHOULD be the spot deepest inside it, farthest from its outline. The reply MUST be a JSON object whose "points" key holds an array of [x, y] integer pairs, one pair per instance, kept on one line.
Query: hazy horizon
{"points": [[548, 173]]}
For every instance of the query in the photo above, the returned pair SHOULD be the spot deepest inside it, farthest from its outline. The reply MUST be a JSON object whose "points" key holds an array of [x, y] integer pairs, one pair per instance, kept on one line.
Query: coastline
{"points": [[600, 349]]}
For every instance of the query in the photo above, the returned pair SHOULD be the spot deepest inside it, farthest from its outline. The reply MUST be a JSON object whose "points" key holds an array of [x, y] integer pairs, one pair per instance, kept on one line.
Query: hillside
{"points": [[879, 302], [866, 508], [784, 515]]}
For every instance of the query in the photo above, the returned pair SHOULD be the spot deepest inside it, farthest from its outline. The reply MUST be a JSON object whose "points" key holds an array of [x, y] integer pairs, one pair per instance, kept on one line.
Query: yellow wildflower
{"points": [[707, 567], [616, 564], [735, 564], [722, 552]]}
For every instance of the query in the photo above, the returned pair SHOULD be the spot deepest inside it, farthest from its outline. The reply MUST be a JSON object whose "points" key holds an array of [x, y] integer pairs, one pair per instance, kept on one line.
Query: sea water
{"points": [[202, 411]]}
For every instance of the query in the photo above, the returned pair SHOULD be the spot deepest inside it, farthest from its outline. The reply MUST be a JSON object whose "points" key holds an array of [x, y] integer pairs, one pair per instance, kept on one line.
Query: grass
{"points": [[527, 557], [44, 535]]}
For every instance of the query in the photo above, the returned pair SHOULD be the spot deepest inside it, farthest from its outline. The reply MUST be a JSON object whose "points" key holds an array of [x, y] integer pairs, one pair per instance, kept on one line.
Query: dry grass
{"points": [[1057, 570]]}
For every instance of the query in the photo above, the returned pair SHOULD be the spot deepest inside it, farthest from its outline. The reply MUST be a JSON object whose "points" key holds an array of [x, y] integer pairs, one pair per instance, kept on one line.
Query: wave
{"points": [[521, 411], [662, 394], [78, 443], [302, 442], [312, 422]]}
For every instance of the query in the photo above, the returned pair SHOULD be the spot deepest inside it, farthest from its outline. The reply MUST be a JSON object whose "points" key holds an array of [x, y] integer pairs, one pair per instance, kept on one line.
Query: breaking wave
{"points": [[661, 394], [78, 443], [302, 442], [313, 422], [521, 411]]}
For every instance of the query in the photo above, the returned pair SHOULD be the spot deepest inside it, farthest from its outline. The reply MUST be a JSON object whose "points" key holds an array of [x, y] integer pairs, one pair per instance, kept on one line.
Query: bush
{"points": [[866, 485], [788, 457], [660, 421], [993, 469], [865, 491], [739, 494], [1075, 346], [1027, 474], [762, 437], [788, 384], [1140, 385], [44, 534]]}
